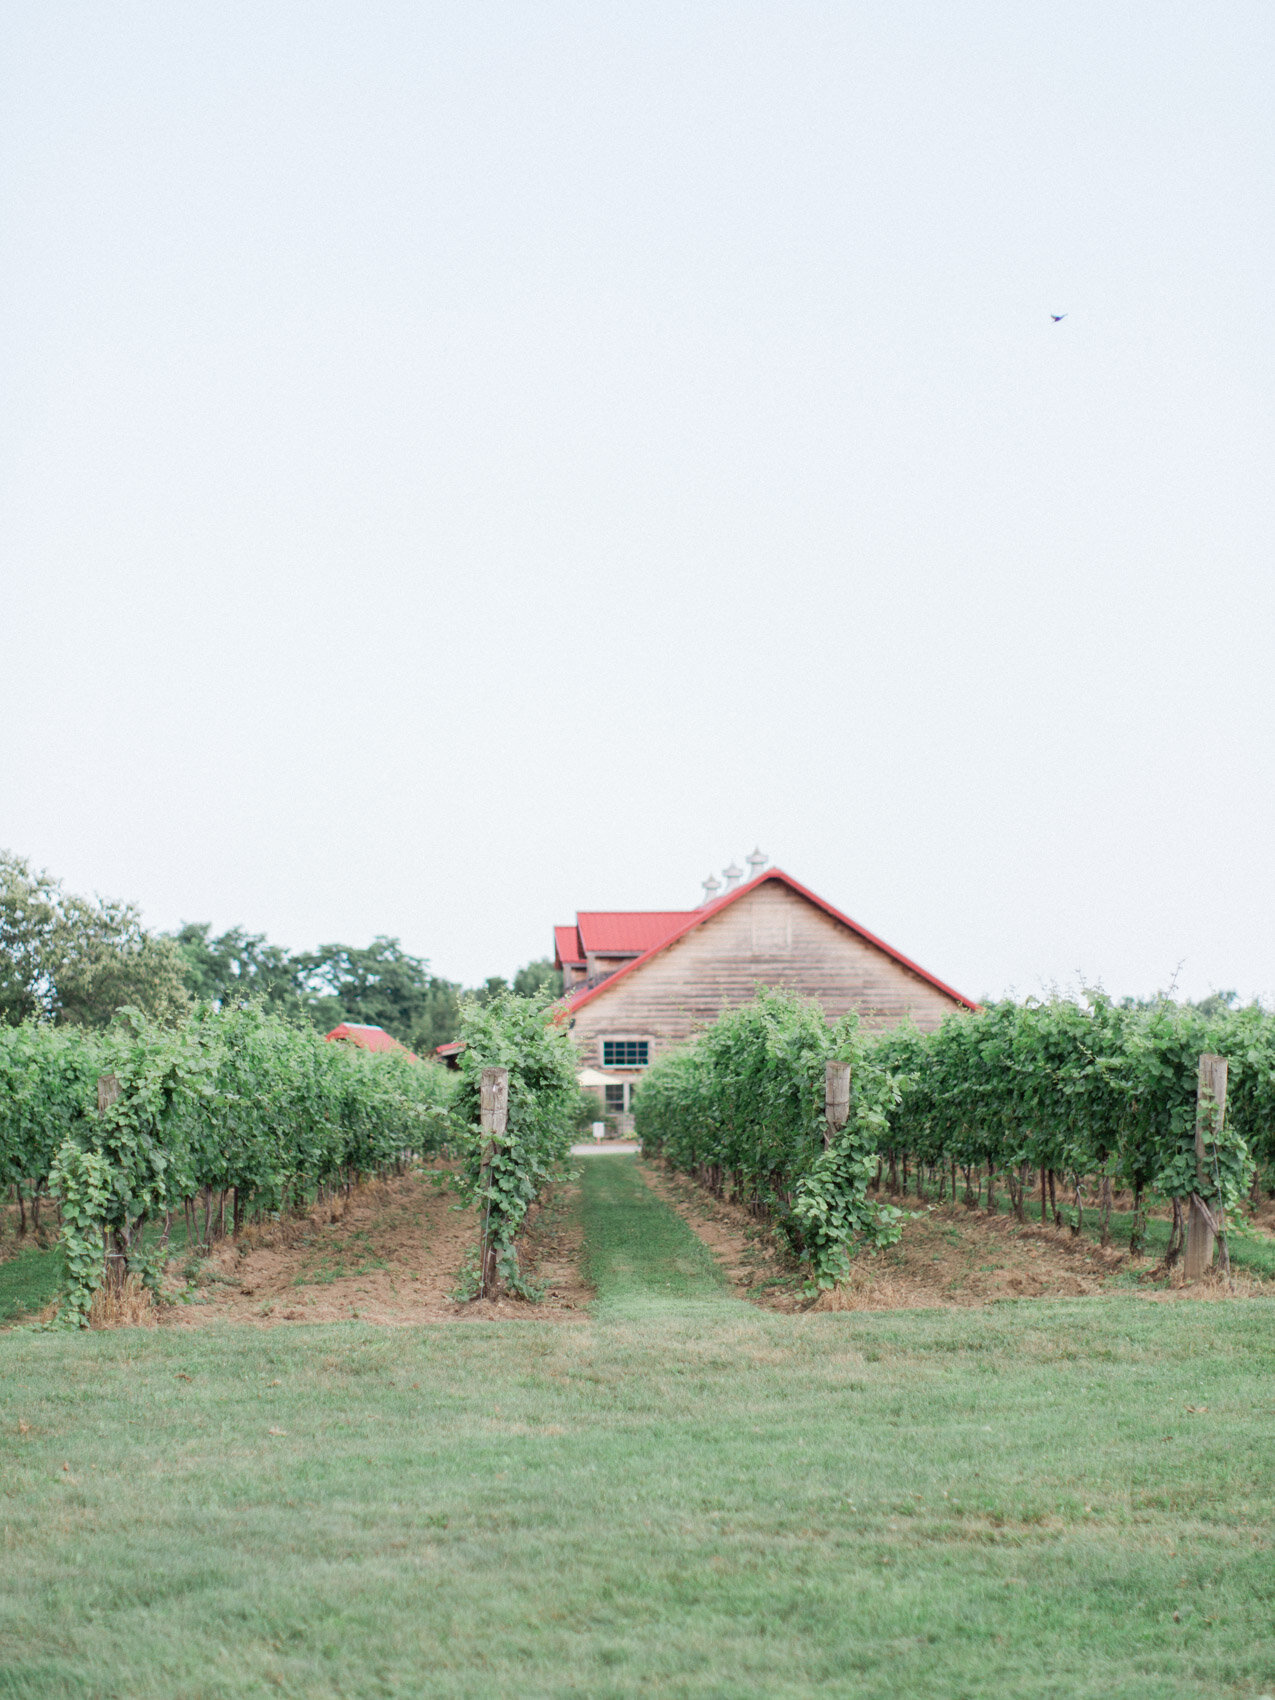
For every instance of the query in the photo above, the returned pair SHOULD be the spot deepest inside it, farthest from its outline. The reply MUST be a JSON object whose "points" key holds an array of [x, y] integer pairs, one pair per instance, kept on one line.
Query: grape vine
{"points": [[742, 1110], [505, 1176], [236, 1109], [1085, 1093]]}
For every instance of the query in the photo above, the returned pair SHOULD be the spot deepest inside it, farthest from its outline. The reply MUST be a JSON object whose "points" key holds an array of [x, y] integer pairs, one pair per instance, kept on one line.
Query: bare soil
{"points": [[391, 1253], [951, 1255], [12, 1242], [948, 1256]]}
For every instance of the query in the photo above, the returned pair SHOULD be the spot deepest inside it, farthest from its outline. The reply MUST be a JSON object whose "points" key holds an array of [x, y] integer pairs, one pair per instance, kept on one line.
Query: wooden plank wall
{"points": [[772, 936]]}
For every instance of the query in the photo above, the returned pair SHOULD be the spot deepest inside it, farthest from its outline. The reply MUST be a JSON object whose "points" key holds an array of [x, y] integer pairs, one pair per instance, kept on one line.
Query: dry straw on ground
{"points": [[128, 1306]]}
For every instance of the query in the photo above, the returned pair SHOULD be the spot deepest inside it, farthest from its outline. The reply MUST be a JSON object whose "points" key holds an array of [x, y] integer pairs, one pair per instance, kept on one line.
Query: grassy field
{"points": [[682, 1496]]}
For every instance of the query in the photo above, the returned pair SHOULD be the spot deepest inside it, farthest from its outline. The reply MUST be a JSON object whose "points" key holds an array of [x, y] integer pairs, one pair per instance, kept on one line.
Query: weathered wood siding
{"points": [[772, 936]]}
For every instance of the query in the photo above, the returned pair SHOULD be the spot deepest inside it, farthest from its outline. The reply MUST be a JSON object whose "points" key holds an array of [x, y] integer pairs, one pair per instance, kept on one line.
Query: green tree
{"points": [[76, 960], [438, 1022], [28, 927], [539, 976], [382, 986], [237, 965]]}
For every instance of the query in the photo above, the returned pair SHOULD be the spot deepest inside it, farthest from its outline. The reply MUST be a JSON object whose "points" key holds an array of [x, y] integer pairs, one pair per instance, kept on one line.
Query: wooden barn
{"points": [[637, 982]]}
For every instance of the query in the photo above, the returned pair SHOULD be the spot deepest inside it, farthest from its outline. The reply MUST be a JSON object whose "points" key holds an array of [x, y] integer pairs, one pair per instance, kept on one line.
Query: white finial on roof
{"points": [[756, 863], [732, 876], [712, 885]]}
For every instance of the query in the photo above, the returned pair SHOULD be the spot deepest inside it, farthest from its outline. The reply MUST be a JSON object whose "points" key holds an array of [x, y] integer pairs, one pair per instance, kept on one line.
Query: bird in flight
{"points": [[1058, 317]]}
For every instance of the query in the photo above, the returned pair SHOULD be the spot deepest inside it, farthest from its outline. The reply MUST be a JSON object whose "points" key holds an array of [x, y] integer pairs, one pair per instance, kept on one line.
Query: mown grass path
{"points": [[640, 1255], [685, 1496]]}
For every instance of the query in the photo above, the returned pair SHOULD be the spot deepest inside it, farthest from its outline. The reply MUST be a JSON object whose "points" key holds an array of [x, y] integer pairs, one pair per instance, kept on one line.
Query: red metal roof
{"points": [[566, 946], [694, 917], [611, 932], [369, 1038]]}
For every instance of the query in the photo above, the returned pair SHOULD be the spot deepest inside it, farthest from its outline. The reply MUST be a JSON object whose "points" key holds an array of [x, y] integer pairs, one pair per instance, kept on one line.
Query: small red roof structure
{"points": [[567, 949], [614, 934], [369, 1038]]}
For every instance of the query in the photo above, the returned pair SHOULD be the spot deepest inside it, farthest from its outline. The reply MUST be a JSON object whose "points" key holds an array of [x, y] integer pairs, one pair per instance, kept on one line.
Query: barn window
{"points": [[626, 1053], [615, 1100]]}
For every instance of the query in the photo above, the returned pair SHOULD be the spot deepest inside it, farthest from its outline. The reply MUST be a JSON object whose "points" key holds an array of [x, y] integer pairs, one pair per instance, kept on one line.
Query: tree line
{"points": [[74, 961]]}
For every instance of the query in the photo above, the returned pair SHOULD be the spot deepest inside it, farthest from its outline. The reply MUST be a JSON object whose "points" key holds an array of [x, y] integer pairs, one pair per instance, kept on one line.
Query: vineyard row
{"points": [[1091, 1092], [238, 1113]]}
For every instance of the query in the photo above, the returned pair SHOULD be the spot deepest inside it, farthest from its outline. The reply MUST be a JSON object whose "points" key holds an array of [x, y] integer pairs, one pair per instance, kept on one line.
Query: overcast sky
{"points": [[467, 463]]}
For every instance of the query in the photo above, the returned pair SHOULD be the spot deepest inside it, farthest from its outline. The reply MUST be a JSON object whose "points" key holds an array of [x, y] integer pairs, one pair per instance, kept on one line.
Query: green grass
{"points": [[31, 1279], [1251, 1252], [639, 1256], [28, 1281], [685, 1496]]}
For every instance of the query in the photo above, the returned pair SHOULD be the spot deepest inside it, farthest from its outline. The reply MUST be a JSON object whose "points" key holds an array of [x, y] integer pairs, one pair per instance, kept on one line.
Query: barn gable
{"points": [[773, 932]]}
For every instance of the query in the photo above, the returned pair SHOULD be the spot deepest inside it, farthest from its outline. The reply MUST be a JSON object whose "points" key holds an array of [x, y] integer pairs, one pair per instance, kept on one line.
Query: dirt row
{"points": [[948, 1256], [394, 1252]]}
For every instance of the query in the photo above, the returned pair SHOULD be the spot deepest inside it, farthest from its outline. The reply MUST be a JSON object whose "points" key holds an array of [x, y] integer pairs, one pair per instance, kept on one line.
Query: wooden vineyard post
{"points": [[493, 1116], [108, 1090], [1202, 1224], [836, 1099]]}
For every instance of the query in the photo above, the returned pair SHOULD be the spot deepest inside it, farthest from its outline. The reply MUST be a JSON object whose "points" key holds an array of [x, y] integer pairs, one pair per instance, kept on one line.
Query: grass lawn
{"points": [[682, 1496], [28, 1282], [32, 1278]]}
